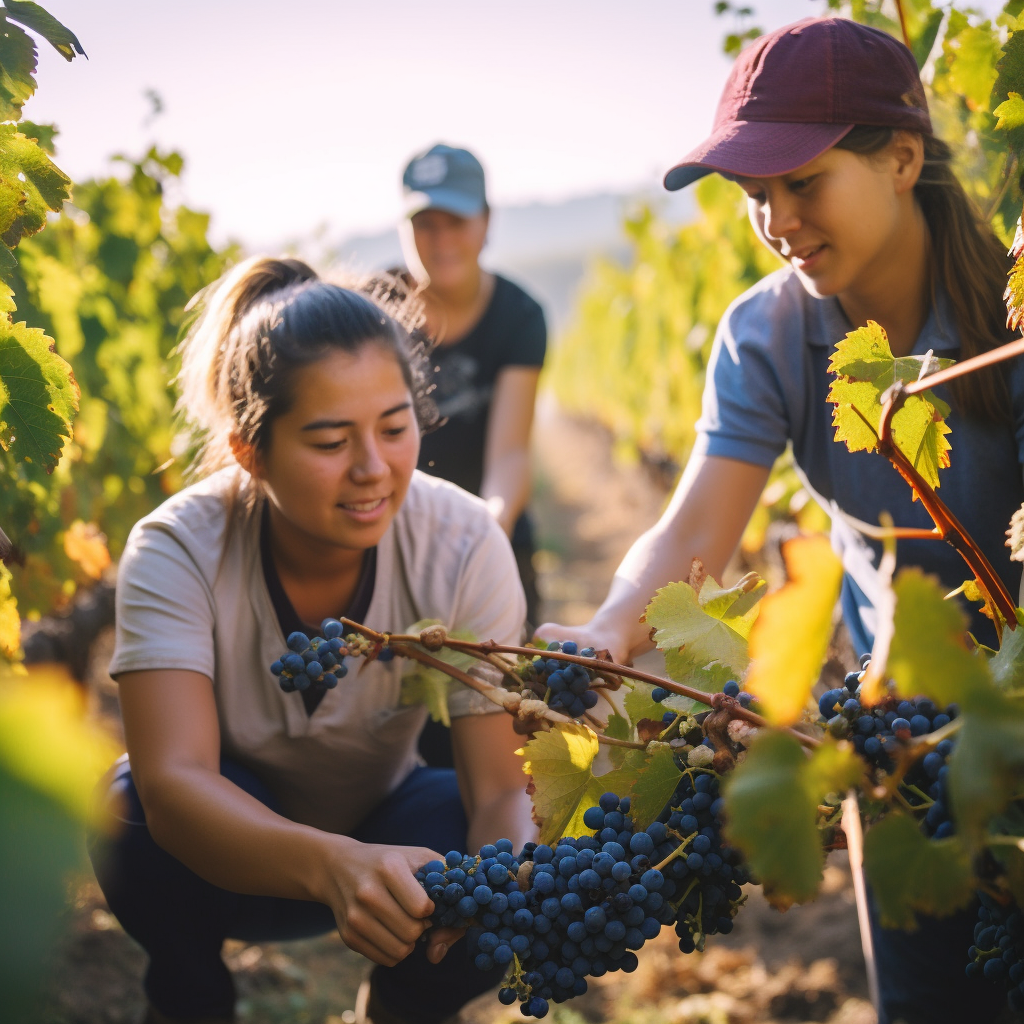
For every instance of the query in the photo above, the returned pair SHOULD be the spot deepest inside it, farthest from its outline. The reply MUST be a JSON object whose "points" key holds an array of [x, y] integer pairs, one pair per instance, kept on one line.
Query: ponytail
{"points": [[968, 262], [264, 319]]}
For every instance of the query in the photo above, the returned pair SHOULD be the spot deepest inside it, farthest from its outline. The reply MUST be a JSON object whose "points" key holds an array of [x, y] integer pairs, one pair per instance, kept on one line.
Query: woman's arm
{"points": [[235, 842], [705, 519], [506, 482], [491, 780]]}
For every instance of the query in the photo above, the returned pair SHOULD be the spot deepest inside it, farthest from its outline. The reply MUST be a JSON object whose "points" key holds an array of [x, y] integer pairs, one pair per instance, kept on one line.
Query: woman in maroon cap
{"points": [[825, 126]]}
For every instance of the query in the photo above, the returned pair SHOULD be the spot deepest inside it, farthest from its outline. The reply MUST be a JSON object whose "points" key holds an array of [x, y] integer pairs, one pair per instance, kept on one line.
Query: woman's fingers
{"points": [[402, 884], [439, 941], [386, 929]]}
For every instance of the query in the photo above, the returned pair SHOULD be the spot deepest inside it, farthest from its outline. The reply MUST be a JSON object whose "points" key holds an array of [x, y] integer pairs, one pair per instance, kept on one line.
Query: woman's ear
{"points": [[245, 454], [907, 151]]}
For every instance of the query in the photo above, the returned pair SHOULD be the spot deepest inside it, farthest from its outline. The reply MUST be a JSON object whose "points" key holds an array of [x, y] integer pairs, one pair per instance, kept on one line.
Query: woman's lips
{"points": [[805, 259], [365, 511]]}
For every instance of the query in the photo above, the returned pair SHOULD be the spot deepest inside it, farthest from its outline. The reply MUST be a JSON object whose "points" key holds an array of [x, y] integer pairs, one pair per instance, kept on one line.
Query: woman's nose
{"points": [[369, 464]]}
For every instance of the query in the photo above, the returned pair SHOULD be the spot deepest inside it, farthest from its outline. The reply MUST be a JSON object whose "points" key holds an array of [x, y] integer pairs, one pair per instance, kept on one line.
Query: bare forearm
{"points": [[506, 487], [235, 842], [507, 816]]}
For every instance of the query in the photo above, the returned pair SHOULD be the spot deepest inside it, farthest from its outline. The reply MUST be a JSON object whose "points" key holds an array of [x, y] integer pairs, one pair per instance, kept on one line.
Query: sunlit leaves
{"points": [[31, 186], [928, 654], [45, 740], [17, 70], [790, 638], [648, 777], [909, 872], [865, 369], [772, 801], [85, 544], [1013, 296], [710, 628], [972, 72], [559, 763], [38, 395], [10, 621], [58, 35], [639, 704]]}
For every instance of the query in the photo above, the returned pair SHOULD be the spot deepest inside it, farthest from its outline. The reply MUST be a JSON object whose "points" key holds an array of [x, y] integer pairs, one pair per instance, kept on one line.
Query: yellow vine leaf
{"points": [[45, 739], [865, 369], [790, 638], [86, 545], [10, 620], [560, 764]]}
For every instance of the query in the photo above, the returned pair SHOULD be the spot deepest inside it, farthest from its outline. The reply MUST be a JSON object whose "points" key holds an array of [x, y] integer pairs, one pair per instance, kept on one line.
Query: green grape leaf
{"points": [[618, 728], [711, 627], [1015, 536], [32, 16], [772, 802], [987, 766], [640, 704], [683, 669], [1010, 113], [559, 763], [17, 69], [648, 777], [424, 684], [38, 395], [1010, 81], [1007, 665], [790, 638], [44, 134], [972, 71], [865, 369], [928, 654], [1014, 296], [10, 621], [31, 186], [909, 872]]}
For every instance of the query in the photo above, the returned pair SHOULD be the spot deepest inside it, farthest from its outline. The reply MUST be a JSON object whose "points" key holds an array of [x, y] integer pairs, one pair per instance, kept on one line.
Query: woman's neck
{"points": [[896, 293], [319, 580], [453, 312]]}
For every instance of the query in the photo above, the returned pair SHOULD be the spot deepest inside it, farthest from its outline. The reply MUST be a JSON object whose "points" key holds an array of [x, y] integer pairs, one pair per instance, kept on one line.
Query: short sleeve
{"points": [[490, 606], [743, 414], [526, 334], [164, 606]]}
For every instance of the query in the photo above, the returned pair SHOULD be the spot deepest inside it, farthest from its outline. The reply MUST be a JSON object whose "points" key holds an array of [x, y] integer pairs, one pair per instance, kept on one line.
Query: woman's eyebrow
{"points": [[339, 424]]}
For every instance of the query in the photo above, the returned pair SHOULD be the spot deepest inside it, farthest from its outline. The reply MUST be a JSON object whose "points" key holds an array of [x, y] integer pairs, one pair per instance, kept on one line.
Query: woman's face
{"points": [[449, 247], [338, 463], [841, 220]]}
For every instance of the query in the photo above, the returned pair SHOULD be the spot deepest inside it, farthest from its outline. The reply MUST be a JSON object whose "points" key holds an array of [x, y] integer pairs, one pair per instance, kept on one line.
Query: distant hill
{"points": [[545, 247]]}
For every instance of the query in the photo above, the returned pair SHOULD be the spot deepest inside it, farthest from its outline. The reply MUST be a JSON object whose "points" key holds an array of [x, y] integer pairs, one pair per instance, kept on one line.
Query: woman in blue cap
{"points": [[825, 126], [490, 338]]}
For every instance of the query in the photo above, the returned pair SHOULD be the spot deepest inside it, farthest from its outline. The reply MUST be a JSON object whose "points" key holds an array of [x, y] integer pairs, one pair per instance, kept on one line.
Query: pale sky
{"points": [[299, 115]]}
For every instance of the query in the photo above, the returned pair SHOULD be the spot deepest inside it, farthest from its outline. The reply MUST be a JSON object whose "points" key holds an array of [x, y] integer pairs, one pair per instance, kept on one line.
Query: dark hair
{"points": [[968, 261], [268, 317]]}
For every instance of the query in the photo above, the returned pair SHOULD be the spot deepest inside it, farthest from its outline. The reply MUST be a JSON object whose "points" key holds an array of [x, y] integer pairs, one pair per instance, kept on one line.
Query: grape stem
{"points": [[410, 646], [947, 525]]}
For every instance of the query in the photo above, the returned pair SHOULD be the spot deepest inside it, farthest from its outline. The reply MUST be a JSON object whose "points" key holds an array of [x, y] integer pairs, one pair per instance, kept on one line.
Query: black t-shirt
{"points": [[511, 332]]}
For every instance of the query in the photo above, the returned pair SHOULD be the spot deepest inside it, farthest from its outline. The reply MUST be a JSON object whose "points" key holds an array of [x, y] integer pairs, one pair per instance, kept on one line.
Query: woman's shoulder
{"points": [[198, 516], [432, 500], [511, 297]]}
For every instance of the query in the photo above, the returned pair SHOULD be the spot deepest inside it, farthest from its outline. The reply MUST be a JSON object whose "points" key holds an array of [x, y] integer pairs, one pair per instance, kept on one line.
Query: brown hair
{"points": [[968, 262], [266, 318]]}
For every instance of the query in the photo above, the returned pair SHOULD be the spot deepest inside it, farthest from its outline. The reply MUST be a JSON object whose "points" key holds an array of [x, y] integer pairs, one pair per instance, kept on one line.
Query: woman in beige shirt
{"points": [[253, 813]]}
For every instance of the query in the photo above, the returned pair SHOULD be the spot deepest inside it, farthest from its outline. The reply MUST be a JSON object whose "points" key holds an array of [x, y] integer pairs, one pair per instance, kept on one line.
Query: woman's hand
{"points": [[380, 908], [591, 634]]}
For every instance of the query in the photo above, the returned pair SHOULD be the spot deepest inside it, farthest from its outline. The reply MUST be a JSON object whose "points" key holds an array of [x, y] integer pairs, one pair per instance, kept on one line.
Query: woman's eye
{"points": [[800, 184], [329, 446], [395, 431]]}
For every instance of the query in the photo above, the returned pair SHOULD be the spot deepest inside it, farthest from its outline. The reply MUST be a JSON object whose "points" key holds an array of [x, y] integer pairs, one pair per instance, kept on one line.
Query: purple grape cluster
{"points": [[998, 950], [563, 685], [315, 662], [556, 916]]}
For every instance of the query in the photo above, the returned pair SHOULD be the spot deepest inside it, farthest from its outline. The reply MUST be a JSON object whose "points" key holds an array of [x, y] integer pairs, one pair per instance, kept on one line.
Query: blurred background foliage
{"points": [[635, 356], [109, 281]]}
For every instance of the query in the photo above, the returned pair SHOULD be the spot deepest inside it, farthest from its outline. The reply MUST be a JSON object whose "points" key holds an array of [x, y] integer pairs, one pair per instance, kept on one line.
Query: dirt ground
{"points": [[805, 965]]}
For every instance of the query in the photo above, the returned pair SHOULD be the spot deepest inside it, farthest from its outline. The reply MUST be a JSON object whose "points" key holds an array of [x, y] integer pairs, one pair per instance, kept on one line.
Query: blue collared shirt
{"points": [[767, 386]]}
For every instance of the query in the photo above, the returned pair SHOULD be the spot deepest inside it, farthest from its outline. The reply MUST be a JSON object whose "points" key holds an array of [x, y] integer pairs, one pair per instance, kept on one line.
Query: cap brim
{"points": [[756, 149], [442, 199]]}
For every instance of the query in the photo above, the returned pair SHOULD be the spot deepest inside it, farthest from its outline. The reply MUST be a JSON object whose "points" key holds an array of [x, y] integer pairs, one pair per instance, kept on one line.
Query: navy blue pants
{"points": [[922, 977], [181, 921]]}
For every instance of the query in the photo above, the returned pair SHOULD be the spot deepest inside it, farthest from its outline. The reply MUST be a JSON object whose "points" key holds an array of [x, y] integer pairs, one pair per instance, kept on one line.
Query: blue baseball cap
{"points": [[444, 178]]}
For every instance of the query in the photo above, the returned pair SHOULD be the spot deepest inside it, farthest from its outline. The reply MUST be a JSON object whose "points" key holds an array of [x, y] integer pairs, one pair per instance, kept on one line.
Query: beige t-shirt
{"points": [[181, 605]]}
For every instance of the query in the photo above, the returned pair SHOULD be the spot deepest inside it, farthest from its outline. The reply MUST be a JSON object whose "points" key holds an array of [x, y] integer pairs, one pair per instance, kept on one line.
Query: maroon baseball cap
{"points": [[797, 91]]}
